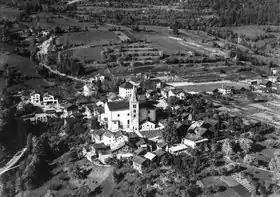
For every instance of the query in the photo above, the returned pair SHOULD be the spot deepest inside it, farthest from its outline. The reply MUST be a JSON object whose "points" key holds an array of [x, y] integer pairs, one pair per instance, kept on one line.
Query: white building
{"points": [[193, 143], [88, 90], [35, 98], [179, 93], [147, 125], [115, 140], [177, 149], [127, 115], [224, 91], [97, 77], [125, 90], [49, 99]]}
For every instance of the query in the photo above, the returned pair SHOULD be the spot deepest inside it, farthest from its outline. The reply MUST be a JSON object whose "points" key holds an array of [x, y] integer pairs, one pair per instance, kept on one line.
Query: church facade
{"points": [[128, 114]]}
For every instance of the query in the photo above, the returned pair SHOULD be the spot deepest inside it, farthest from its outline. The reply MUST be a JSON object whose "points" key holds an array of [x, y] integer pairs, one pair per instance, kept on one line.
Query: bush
{"points": [[55, 186], [64, 177]]}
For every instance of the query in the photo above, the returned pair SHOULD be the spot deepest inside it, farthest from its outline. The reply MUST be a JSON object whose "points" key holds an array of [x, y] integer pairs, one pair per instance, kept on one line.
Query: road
{"points": [[12, 162], [62, 74]]}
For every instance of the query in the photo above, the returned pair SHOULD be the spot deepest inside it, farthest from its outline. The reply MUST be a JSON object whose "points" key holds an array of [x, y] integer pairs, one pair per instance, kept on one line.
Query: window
{"points": [[149, 112], [127, 123], [134, 111], [128, 114], [134, 116], [118, 115], [134, 105], [148, 118]]}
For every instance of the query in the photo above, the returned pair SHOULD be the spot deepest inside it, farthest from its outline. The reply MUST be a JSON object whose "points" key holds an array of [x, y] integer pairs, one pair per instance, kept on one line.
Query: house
{"points": [[103, 156], [150, 156], [273, 79], [99, 77], [159, 154], [140, 151], [49, 99], [147, 125], [194, 141], [177, 149], [89, 89], [179, 93], [125, 90], [42, 117], [161, 145], [126, 115], [164, 91], [113, 140], [98, 148], [70, 109], [225, 91], [35, 98], [139, 163]]}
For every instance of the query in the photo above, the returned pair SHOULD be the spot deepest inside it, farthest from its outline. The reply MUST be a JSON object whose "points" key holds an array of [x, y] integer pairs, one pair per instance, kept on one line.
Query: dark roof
{"points": [[162, 144], [116, 106], [140, 151], [138, 159], [99, 132], [148, 104], [108, 134], [132, 135], [71, 107], [100, 146], [159, 152], [141, 142], [118, 134], [124, 105], [127, 85], [176, 91]]}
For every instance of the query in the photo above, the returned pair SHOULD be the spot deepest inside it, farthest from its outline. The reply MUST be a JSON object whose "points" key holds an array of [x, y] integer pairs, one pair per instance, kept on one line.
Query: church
{"points": [[128, 114]]}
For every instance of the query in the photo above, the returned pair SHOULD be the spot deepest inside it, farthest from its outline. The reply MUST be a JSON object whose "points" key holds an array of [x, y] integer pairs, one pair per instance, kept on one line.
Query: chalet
{"points": [[35, 98], [49, 99], [161, 146], [179, 93], [147, 125], [140, 151], [141, 143], [98, 148], [125, 90], [194, 141], [139, 163], [177, 149], [159, 153]]}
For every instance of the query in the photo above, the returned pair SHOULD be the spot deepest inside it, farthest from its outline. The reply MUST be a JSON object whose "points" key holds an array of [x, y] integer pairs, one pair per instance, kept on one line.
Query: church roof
{"points": [[127, 85], [124, 105], [118, 106]]}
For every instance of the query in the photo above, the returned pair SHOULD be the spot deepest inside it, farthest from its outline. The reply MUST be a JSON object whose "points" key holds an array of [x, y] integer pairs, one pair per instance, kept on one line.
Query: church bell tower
{"points": [[134, 112]]}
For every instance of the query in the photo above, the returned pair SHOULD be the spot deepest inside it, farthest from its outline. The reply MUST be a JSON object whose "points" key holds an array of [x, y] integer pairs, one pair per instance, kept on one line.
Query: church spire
{"points": [[133, 95]]}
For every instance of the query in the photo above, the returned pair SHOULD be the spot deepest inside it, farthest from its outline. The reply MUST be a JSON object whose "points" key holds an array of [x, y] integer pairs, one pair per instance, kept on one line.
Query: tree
{"points": [[170, 134], [274, 164], [227, 147], [245, 144], [248, 159]]}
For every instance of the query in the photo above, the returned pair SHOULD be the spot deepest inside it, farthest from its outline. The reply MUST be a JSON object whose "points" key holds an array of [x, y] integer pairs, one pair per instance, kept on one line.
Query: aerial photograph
{"points": [[139, 98]]}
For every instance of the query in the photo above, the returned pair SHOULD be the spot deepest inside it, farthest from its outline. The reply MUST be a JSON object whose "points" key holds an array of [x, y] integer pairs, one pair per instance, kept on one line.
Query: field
{"points": [[251, 31], [233, 188], [9, 13], [89, 37], [90, 54], [208, 87]]}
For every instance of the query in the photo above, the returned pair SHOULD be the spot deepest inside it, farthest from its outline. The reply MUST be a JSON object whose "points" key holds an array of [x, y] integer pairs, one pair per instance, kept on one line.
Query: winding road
{"points": [[12, 162]]}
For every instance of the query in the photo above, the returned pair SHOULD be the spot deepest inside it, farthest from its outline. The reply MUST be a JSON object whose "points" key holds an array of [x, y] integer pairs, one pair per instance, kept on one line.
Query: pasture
{"points": [[209, 86], [88, 54], [88, 37]]}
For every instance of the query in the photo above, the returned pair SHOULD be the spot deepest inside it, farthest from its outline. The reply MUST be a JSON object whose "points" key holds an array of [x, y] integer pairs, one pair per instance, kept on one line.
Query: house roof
{"points": [[159, 152], [141, 142], [176, 91], [124, 105], [144, 121], [132, 135], [127, 85], [99, 132], [118, 134], [140, 150], [161, 144], [138, 159], [108, 134], [100, 146], [149, 155]]}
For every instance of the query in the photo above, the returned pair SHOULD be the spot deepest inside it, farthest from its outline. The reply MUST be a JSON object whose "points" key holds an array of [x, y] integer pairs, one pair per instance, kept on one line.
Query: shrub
{"points": [[55, 186]]}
